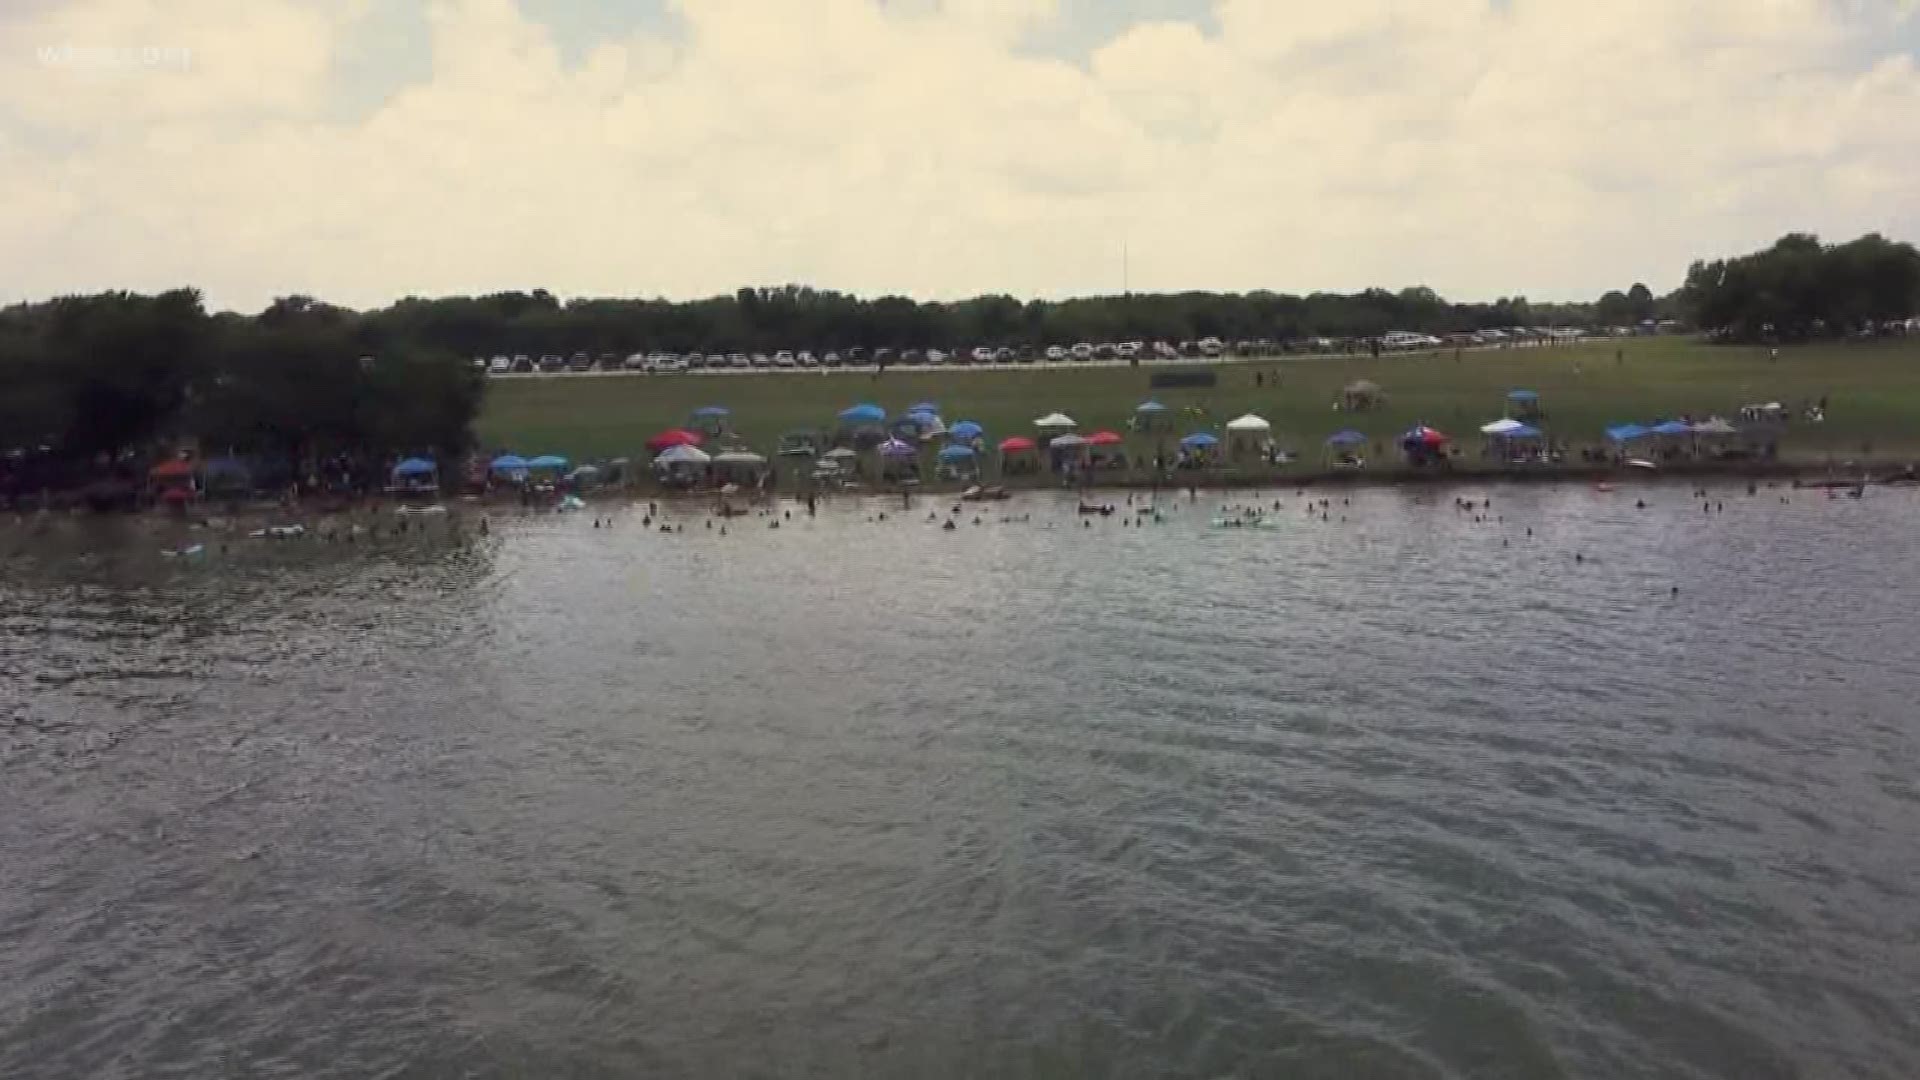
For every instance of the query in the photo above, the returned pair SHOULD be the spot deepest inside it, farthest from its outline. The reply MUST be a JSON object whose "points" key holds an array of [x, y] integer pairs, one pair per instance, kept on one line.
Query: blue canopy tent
{"points": [[1524, 404], [1343, 448], [544, 462], [413, 468], [509, 463], [1199, 440], [956, 452], [1150, 407], [925, 407], [863, 414], [1626, 433], [1672, 428], [1346, 438], [711, 419], [1151, 414], [713, 412], [966, 431], [1522, 395]]}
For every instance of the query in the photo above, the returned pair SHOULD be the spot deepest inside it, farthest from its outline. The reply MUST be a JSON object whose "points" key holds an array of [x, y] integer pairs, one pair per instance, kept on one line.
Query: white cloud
{"points": [[1547, 146]]}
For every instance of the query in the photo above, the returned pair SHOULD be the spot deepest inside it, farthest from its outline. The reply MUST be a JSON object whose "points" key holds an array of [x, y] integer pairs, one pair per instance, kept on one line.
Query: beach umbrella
{"points": [[966, 429], [1199, 440], [414, 466], [1150, 407], [674, 437], [1423, 435], [1249, 423], [1104, 438], [1018, 445], [895, 448], [863, 414], [1055, 421], [957, 452], [1501, 427], [1346, 438], [509, 463], [548, 461], [712, 412], [683, 454]]}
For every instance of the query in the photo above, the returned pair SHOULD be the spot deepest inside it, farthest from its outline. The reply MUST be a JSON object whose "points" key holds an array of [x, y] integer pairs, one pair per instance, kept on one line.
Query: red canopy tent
{"points": [[175, 469], [1019, 444], [673, 437], [1104, 438]]}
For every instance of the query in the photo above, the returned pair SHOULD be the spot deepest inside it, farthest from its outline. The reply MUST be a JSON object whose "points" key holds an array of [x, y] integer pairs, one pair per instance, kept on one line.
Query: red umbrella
{"points": [[176, 469], [673, 437], [1018, 444], [1426, 436], [1104, 438]]}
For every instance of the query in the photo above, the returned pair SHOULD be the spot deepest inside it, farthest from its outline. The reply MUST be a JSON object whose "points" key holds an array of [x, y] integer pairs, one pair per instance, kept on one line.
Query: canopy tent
{"points": [[739, 457], [712, 412], [956, 453], [840, 453], [1715, 426], [1104, 438], [1672, 428], [1150, 407], [674, 437], [1346, 438], [1055, 422], [1519, 432], [548, 463], [1522, 395], [174, 469], [863, 414], [1249, 425], [1625, 433], [413, 468], [927, 407], [1067, 442], [509, 463], [896, 448], [1501, 427], [800, 443], [1018, 445], [1199, 440], [967, 430], [682, 455]]}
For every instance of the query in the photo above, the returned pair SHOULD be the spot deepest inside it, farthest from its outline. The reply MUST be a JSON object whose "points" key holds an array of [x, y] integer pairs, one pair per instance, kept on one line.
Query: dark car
{"points": [[580, 362], [857, 355]]}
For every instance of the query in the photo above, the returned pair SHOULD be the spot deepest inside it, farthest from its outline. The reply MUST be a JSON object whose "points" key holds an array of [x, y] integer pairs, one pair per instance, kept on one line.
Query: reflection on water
{"points": [[1405, 791]]}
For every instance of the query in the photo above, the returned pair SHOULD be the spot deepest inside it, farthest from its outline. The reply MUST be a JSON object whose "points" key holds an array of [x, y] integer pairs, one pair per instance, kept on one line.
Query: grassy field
{"points": [[1873, 392]]}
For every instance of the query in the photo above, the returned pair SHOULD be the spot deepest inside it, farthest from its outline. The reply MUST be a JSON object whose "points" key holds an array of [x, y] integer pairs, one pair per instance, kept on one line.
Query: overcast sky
{"points": [[360, 151]]}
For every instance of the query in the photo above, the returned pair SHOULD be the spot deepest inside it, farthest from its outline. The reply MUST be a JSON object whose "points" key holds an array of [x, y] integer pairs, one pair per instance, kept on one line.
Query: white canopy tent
{"points": [[1055, 422], [1249, 425], [1501, 427]]}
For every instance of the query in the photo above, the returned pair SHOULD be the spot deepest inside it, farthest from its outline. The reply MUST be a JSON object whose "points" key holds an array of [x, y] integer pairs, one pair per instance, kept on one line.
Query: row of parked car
{"points": [[1204, 349]]}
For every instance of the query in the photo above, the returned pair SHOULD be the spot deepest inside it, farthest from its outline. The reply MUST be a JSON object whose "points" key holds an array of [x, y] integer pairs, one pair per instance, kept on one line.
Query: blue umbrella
{"points": [[713, 412], [957, 452], [548, 461], [966, 429], [1346, 438], [863, 414], [1199, 440], [509, 463], [414, 466]]}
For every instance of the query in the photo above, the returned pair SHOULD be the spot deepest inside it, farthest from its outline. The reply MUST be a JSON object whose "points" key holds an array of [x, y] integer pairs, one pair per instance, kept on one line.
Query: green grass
{"points": [[1873, 392]]}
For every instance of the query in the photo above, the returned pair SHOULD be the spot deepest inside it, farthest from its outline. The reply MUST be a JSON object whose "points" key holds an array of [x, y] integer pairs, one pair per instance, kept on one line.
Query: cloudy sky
{"points": [[361, 150]]}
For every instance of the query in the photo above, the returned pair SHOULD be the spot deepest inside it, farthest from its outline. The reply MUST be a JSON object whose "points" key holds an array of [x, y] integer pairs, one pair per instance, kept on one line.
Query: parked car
{"points": [[1082, 351], [1055, 354], [784, 359], [1165, 351], [831, 359], [1212, 346], [857, 356], [500, 365], [807, 359], [738, 360], [935, 356]]}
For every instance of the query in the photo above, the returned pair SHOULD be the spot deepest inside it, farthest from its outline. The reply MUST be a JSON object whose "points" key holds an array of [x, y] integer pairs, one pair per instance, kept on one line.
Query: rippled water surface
{"points": [[1407, 794]]}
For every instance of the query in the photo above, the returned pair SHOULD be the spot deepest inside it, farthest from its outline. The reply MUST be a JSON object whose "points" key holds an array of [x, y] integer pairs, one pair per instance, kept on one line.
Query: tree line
{"points": [[1800, 289], [95, 386]]}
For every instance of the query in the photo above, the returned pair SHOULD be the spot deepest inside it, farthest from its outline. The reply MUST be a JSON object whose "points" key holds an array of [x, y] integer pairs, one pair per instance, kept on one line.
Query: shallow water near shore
{"points": [[1400, 792]]}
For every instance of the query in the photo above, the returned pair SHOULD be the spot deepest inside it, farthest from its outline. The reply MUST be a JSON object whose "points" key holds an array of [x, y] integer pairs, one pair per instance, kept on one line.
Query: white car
{"points": [[783, 358], [807, 359], [500, 365], [1127, 350], [1082, 351], [1212, 346], [738, 360], [982, 355], [935, 356]]}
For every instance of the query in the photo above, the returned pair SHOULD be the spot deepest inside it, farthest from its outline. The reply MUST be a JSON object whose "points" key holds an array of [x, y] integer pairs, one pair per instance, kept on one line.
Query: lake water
{"points": [[1408, 794]]}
